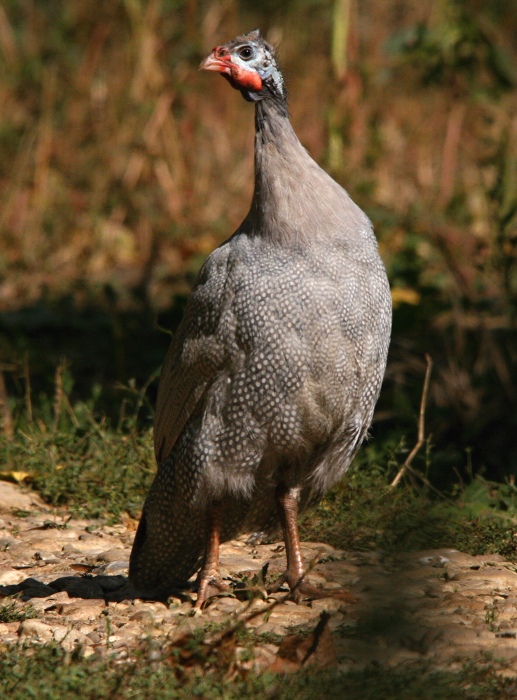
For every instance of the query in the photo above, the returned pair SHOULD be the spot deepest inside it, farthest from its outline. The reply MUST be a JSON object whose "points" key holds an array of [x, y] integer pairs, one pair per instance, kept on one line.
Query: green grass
{"points": [[12, 611], [77, 460], [98, 472], [49, 674], [364, 512]]}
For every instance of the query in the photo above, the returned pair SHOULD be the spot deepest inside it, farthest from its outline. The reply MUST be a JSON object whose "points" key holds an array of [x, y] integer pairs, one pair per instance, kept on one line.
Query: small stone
{"points": [[46, 558], [88, 537], [129, 629], [43, 541], [94, 637], [70, 549], [336, 621], [87, 548], [489, 578], [35, 629], [143, 616], [319, 547], [110, 555], [80, 610], [227, 605], [114, 567], [12, 497], [315, 579], [327, 604], [40, 605], [271, 629], [9, 576], [264, 656], [21, 553], [178, 608], [68, 637], [122, 607]]}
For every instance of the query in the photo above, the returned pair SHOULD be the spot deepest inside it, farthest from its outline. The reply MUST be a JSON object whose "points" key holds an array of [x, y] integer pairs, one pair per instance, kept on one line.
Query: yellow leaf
{"points": [[405, 295], [18, 477]]}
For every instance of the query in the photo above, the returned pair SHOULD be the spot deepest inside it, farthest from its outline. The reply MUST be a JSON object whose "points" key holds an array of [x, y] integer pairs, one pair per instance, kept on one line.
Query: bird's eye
{"points": [[246, 53]]}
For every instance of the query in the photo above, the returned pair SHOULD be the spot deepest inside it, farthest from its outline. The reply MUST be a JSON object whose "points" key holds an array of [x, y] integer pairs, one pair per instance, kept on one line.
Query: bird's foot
{"points": [[209, 584], [277, 585], [303, 590]]}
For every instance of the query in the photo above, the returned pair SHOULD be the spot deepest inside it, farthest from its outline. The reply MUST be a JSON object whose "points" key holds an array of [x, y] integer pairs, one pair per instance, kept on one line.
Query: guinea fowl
{"points": [[270, 383]]}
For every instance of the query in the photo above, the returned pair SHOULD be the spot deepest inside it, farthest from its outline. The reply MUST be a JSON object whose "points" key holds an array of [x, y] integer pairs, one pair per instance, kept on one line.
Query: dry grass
{"points": [[122, 162]]}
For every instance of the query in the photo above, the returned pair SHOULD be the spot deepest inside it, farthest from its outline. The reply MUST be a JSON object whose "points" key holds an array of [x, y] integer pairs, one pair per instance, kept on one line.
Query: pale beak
{"points": [[214, 63]]}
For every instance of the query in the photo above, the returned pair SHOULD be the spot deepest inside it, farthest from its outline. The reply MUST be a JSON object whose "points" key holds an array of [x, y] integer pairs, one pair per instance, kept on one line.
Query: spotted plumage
{"points": [[270, 383]]}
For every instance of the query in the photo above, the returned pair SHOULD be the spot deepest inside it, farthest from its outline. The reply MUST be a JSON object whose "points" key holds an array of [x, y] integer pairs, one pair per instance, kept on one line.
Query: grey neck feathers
{"points": [[295, 201]]}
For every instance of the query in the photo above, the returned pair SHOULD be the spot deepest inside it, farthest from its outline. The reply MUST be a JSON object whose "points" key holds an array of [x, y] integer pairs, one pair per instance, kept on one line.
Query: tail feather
{"points": [[170, 541]]}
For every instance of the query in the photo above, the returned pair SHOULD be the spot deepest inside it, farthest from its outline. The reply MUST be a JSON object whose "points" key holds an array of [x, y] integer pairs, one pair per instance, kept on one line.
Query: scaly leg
{"points": [[209, 574], [287, 503]]}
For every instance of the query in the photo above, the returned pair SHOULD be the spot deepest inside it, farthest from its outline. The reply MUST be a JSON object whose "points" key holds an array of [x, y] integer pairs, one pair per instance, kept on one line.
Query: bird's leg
{"points": [[287, 505], [287, 499], [209, 574]]}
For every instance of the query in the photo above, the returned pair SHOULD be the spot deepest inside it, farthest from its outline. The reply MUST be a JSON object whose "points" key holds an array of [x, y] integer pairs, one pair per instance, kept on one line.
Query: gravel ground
{"points": [[68, 578]]}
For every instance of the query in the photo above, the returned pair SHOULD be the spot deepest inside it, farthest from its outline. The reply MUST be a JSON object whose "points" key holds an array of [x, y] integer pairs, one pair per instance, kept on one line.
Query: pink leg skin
{"points": [[209, 576], [287, 504]]}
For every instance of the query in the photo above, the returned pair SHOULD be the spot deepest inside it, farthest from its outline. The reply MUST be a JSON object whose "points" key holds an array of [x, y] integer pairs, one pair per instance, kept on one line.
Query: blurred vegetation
{"points": [[112, 150], [49, 673]]}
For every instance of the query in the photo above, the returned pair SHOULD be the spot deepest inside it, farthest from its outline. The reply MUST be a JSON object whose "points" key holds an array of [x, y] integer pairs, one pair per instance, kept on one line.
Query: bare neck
{"points": [[277, 154], [294, 199]]}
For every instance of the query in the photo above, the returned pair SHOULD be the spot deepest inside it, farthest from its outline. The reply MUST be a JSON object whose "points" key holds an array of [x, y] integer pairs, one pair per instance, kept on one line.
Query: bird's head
{"points": [[249, 64]]}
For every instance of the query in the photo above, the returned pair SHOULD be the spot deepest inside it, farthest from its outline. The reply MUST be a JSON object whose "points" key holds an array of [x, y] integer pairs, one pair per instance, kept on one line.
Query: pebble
{"points": [[441, 605], [10, 576], [113, 567], [13, 498], [81, 610], [36, 629]]}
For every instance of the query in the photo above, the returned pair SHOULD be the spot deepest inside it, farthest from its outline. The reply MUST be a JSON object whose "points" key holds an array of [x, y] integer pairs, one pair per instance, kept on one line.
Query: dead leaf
{"points": [[83, 568], [316, 650], [129, 523], [188, 653]]}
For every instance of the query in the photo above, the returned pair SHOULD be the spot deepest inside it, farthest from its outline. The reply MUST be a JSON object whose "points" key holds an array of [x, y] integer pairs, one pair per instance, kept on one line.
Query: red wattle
{"points": [[248, 79]]}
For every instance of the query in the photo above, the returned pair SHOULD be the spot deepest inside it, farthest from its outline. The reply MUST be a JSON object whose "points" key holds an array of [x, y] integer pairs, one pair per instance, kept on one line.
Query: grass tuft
{"points": [[12, 611], [49, 672]]}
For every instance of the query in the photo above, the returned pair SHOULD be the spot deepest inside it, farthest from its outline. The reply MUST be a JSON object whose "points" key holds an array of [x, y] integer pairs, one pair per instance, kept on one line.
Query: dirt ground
{"points": [[68, 579]]}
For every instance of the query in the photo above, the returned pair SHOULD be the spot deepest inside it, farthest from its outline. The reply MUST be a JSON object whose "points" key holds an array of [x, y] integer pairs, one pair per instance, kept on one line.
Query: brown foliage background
{"points": [[122, 167]]}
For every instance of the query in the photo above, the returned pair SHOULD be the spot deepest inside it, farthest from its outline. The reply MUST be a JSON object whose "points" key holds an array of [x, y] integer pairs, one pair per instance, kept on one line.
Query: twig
{"points": [[430, 486], [5, 411], [143, 391], [58, 394], [70, 410], [421, 425], [28, 397]]}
